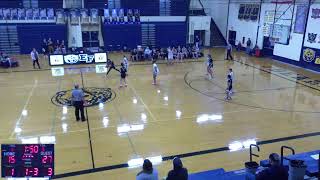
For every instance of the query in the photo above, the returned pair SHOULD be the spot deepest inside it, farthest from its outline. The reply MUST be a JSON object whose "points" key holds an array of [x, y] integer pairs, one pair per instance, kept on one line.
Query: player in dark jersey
{"points": [[229, 87], [110, 65], [123, 74], [210, 66]]}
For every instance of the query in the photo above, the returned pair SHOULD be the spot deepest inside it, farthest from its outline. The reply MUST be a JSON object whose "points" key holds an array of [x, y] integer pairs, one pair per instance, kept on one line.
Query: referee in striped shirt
{"points": [[78, 101]]}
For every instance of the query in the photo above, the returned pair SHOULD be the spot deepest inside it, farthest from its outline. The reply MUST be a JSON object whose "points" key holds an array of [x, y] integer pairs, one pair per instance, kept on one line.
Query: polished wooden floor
{"points": [[269, 103]]}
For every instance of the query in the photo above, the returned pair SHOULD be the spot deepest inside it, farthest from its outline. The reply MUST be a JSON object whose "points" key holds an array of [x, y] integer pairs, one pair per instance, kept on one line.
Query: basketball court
{"points": [[185, 115]]}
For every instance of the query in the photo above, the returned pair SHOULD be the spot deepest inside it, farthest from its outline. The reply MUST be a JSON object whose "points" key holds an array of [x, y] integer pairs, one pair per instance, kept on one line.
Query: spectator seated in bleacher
{"points": [[148, 172], [7, 62], [134, 55], [147, 53], [63, 47], [178, 172], [179, 53], [275, 172]]}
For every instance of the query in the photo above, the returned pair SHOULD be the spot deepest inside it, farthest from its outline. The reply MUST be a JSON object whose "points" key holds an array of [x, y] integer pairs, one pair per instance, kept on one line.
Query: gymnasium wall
{"points": [[244, 28], [293, 52], [31, 35], [166, 34], [310, 57], [171, 34], [217, 9], [119, 35]]}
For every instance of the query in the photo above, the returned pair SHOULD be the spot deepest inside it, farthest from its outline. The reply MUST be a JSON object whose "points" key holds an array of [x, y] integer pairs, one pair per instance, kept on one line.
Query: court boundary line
{"points": [[25, 106], [270, 72], [132, 64], [184, 155], [240, 104], [88, 125]]}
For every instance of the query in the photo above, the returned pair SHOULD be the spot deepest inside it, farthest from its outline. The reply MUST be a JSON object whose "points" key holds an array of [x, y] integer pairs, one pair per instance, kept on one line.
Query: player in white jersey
{"points": [[210, 66], [170, 56], [155, 72], [125, 63]]}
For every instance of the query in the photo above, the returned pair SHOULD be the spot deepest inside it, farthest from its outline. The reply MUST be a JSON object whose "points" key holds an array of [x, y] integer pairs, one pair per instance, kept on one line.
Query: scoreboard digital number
{"points": [[27, 160]]}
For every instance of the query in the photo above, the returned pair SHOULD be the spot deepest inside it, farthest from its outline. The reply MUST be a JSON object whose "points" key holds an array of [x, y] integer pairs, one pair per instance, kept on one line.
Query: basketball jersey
{"points": [[210, 63]]}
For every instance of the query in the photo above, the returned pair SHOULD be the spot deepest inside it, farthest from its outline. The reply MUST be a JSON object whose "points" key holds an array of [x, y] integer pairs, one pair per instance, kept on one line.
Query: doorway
{"points": [[90, 38], [232, 37]]}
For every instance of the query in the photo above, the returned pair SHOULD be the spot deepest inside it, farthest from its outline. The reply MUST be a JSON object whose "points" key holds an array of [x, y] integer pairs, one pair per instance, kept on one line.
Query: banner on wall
{"points": [[311, 56], [312, 38], [72, 59], [301, 17], [315, 13]]}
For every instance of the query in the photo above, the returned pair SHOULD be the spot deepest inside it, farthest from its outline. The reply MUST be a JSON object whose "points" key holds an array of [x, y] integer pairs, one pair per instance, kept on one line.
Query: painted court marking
{"points": [[25, 105]]}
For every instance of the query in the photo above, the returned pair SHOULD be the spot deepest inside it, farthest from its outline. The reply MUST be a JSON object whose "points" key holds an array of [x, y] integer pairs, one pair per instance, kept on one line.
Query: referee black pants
{"points": [[36, 62], [79, 107], [229, 55]]}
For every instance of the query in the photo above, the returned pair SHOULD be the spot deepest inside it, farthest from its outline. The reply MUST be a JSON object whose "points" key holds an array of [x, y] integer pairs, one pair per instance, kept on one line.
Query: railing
{"points": [[282, 149], [251, 154]]}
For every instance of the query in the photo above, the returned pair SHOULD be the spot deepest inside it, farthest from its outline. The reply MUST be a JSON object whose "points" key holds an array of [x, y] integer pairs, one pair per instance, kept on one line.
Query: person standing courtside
{"points": [[35, 58], [248, 49], [78, 101], [229, 51]]}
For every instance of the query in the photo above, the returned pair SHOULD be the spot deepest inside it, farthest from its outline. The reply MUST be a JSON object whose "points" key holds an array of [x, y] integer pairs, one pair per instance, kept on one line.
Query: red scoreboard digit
{"points": [[27, 160]]}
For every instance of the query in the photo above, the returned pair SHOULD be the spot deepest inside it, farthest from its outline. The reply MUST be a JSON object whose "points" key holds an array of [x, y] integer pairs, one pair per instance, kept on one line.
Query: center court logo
{"points": [[309, 55], [93, 96]]}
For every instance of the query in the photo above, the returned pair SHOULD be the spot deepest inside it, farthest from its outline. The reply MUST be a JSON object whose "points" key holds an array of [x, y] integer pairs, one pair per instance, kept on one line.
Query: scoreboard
{"points": [[27, 160]]}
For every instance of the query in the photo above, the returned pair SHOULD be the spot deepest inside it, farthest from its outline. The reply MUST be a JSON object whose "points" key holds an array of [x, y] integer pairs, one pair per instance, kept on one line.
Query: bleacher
{"points": [[310, 159], [161, 34], [31, 35], [116, 36]]}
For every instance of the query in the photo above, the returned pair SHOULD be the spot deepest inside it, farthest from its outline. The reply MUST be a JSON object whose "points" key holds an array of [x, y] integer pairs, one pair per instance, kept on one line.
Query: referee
{"points": [[78, 100]]}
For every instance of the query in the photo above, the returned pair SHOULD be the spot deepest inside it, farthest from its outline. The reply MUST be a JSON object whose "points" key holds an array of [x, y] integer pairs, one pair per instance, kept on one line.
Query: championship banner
{"points": [[14, 13], [136, 15], [73, 59], [21, 13], [106, 16], [43, 13], [114, 15], [6, 13], [121, 15], [1, 14], [36, 13], [301, 17], [29, 13], [50, 13], [311, 56], [130, 15]]}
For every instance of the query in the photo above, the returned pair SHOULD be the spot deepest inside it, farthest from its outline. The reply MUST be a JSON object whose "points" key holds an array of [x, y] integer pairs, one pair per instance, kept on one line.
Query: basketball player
{"points": [[126, 63], [123, 74], [229, 88], [210, 66], [155, 71], [110, 65], [35, 58], [232, 77], [170, 56]]}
